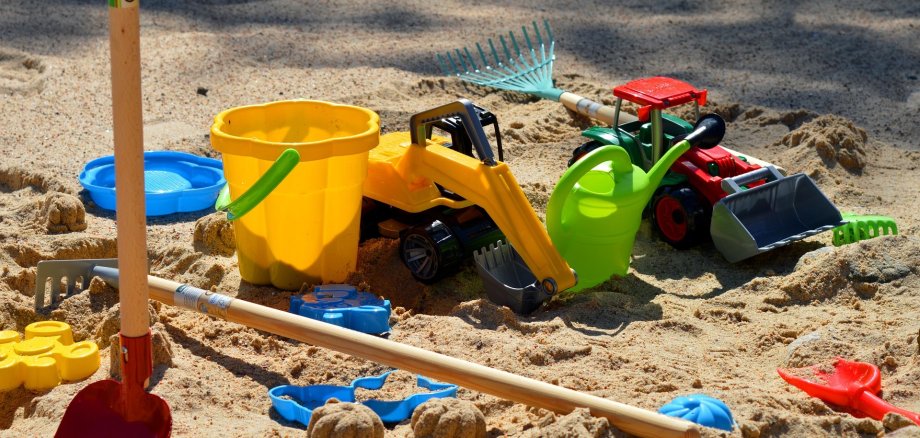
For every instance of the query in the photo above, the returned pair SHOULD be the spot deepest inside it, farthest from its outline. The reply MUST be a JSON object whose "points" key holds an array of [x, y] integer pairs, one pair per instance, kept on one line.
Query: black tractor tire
{"points": [[681, 216], [431, 252], [583, 150]]}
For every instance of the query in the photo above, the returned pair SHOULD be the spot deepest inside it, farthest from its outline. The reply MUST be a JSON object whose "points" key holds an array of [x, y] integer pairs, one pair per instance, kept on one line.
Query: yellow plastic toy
{"points": [[46, 357], [407, 171], [307, 229]]}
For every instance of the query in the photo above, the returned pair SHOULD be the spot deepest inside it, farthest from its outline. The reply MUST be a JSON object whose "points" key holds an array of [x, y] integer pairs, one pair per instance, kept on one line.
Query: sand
{"points": [[830, 89]]}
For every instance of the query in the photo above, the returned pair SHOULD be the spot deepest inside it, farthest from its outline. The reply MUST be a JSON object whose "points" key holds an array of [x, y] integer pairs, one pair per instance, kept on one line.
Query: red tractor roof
{"points": [[660, 92]]}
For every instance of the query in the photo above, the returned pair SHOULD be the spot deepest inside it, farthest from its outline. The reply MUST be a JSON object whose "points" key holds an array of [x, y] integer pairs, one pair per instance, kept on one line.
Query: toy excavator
{"points": [[460, 197]]}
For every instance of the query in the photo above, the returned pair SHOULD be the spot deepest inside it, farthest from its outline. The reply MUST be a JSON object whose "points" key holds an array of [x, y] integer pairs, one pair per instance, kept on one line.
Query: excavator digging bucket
{"points": [[507, 279], [750, 221]]}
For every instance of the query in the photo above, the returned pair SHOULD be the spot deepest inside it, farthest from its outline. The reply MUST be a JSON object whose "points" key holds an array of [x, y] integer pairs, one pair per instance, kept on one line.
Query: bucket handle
{"points": [[603, 154], [733, 185], [261, 189]]}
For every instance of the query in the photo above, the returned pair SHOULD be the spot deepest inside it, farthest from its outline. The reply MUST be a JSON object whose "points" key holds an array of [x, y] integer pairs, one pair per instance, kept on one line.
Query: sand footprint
{"points": [[20, 72]]}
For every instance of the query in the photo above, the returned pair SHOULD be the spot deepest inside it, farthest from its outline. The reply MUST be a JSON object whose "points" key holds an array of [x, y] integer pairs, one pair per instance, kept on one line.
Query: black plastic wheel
{"points": [[430, 252], [584, 150], [680, 216]]}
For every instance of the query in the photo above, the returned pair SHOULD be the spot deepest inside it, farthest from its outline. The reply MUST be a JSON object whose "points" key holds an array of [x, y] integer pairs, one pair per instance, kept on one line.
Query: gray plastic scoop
{"points": [[507, 279], [748, 222]]}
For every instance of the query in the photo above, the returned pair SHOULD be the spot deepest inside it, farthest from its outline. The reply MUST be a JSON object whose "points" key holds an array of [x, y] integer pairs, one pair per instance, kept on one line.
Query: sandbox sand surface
{"points": [[830, 89]]}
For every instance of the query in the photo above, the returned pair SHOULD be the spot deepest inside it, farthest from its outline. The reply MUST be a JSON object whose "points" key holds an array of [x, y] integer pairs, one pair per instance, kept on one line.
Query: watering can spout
{"points": [[660, 169]]}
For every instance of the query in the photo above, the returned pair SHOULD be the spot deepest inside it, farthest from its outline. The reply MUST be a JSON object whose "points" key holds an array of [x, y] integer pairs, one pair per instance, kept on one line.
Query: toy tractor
{"points": [[745, 205], [446, 204]]}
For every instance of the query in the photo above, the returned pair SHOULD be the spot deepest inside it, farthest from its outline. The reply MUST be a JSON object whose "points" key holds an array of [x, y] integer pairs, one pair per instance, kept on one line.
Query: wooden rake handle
{"points": [[469, 375]]}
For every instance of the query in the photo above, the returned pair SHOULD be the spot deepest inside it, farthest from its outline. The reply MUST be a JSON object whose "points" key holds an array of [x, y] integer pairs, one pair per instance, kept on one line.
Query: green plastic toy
{"points": [[863, 227], [262, 187], [595, 210]]}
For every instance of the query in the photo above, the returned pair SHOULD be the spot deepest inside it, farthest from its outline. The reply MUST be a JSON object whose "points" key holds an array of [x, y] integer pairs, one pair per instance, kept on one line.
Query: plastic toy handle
{"points": [[733, 184], [603, 154], [266, 183], [876, 408]]}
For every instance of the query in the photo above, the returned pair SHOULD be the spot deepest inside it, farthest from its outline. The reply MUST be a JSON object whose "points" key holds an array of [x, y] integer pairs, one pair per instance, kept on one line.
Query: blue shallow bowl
{"points": [[173, 182]]}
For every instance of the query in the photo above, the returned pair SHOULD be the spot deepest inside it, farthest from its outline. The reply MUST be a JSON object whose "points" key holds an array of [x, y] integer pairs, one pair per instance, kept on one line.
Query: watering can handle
{"points": [[603, 154], [733, 185], [260, 189]]}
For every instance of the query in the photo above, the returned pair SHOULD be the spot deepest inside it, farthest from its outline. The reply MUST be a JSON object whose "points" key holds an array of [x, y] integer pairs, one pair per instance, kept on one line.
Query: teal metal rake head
{"points": [[528, 71], [861, 227]]}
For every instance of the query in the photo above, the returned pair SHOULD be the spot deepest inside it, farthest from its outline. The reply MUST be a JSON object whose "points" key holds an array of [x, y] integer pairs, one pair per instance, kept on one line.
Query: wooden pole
{"points": [[405, 357], [124, 40]]}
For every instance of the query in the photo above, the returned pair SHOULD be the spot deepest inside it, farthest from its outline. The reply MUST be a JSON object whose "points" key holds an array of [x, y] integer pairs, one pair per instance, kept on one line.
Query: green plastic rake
{"points": [[526, 68], [863, 227]]}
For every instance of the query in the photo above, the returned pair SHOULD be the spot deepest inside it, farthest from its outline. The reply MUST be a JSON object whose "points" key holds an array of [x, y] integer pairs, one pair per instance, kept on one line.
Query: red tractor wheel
{"points": [[680, 216]]}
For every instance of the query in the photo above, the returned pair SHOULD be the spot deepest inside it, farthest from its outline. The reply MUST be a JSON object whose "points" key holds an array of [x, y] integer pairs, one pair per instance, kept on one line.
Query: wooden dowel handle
{"points": [[124, 40], [445, 368]]}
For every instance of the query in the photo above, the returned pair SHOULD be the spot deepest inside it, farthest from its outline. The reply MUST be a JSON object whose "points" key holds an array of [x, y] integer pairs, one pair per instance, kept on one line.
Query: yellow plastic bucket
{"points": [[307, 229]]}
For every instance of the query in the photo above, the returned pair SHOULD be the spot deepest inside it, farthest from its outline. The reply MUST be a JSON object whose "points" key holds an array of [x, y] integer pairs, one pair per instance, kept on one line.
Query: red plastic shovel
{"points": [[109, 408], [850, 385]]}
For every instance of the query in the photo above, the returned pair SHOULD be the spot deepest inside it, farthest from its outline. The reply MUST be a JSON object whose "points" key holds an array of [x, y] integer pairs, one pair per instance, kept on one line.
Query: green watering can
{"points": [[595, 210]]}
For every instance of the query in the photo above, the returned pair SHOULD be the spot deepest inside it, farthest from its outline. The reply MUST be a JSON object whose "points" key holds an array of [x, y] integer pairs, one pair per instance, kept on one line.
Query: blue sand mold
{"points": [[304, 399], [344, 306]]}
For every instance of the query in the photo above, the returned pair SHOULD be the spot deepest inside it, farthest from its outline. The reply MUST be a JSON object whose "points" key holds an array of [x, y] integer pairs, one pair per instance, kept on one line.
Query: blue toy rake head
{"points": [[528, 71]]}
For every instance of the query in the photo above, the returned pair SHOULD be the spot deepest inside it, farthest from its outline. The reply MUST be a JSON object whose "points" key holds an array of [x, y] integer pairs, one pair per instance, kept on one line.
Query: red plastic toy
{"points": [[851, 386]]}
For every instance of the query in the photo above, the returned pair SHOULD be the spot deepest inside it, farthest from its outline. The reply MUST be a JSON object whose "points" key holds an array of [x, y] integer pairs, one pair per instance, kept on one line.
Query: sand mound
{"points": [[487, 314], [835, 139], [351, 420], [448, 418], [856, 269], [17, 178], [52, 213], [183, 264]]}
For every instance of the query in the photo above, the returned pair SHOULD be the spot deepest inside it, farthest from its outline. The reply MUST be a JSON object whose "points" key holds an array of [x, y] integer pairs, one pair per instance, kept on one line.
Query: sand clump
{"points": [[579, 423], [448, 418], [214, 235], [835, 139], [894, 421], [61, 213], [344, 420]]}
